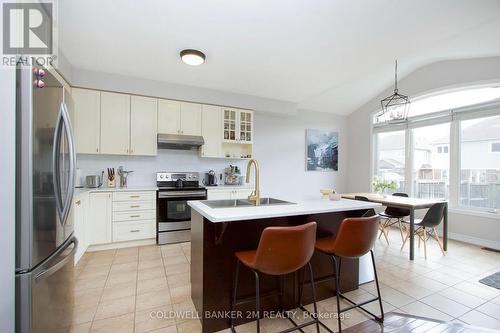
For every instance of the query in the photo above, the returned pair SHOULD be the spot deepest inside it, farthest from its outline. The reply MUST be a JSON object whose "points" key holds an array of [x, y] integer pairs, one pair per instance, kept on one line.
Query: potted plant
{"points": [[381, 185]]}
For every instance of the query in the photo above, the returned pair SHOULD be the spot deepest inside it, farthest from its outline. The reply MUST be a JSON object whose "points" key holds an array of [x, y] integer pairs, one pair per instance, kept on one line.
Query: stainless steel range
{"points": [[175, 189]]}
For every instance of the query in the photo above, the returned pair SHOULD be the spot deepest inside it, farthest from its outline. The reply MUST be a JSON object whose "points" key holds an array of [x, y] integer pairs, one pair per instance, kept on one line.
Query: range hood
{"points": [[184, 142]]}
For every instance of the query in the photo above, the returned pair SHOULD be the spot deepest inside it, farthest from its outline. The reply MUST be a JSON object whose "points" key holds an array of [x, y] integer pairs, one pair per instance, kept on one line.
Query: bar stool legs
{"points": [[337, 264], [296, 326], [235, 288], [257, 299]]}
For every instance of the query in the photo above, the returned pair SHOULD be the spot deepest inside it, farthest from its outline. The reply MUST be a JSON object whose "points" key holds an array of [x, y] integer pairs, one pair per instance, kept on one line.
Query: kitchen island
{"points": [[216, 233]]}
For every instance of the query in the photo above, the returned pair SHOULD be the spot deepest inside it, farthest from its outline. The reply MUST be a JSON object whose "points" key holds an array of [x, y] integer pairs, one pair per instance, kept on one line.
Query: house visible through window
{"points": [[495, 147], [431, 161], [390, 164], [442, 149], [480, 170]]}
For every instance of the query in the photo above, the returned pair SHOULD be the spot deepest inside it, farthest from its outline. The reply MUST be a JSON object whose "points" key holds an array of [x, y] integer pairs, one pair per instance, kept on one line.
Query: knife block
{"points": [[111, 183]]}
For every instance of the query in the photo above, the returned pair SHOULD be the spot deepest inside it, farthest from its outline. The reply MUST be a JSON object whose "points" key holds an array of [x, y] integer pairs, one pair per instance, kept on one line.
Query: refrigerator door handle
{"points": [[63, 122], [56, 148], [72, 161], [54, 268]]}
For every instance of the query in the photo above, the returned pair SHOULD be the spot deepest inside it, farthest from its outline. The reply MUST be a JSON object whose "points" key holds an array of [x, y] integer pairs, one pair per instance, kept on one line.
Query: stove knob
{"points": [[190, 176], [161, 176]]}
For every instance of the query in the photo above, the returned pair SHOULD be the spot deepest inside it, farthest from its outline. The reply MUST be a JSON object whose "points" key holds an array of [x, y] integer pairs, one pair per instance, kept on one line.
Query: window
{"points": [[390, 163], [451, 100], [479, 169], [431, 162]]}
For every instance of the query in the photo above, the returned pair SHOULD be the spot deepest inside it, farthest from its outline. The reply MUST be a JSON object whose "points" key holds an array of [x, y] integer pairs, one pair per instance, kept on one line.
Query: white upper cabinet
{"points": [[143, 125], [211, 131], [121, 124], [179, 117], [237, 125], [190, 118], [115, 123], [86, 120], [169, 116], [245, 131]]}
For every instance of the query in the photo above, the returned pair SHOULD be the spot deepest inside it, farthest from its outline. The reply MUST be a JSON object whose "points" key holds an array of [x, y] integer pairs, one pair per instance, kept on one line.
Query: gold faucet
{"points": [[255, 195]]}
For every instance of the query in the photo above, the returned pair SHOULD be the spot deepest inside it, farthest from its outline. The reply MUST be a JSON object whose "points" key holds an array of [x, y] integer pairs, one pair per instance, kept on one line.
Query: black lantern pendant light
{"points": [[395, 107]]}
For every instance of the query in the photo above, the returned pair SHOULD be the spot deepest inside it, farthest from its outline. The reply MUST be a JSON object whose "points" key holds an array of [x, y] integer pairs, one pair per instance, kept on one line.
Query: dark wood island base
{"points": [[212, 267]]}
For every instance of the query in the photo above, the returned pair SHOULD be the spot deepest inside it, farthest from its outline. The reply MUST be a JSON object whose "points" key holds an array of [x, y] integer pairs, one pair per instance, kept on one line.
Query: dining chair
{"points": [[427, 226], [381, 224], [392, 216]]}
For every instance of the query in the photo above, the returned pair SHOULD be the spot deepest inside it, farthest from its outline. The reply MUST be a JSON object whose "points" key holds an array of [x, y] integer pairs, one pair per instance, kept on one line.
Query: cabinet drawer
{"points": [[174, 237], [121, 206], [134, 215], [134, 196], [126, 231]]}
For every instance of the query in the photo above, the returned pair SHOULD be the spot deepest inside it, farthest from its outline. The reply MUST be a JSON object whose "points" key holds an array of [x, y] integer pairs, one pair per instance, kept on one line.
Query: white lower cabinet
{"points": [[79, 216], [134, 216], [99, 218], [228, 193], [110, 217], [133, 230]]}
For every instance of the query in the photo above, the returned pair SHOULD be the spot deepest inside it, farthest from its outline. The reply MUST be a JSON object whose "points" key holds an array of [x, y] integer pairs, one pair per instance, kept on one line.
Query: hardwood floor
{"points": [[398, 322]]}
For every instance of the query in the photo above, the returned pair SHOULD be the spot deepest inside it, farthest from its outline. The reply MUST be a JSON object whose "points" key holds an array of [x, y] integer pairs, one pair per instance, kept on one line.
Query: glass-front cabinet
{"points": [[230, 125], [237, 125]]}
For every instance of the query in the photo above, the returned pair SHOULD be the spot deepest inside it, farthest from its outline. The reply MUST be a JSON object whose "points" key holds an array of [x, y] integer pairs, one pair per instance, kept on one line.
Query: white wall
{"points": [[7, 199], [279, 147], [145, 167], [432, 78], [126, 84]]}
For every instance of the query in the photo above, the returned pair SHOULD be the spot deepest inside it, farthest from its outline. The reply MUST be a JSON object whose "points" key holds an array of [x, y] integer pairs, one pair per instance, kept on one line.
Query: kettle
{"points": [[210, 179]]}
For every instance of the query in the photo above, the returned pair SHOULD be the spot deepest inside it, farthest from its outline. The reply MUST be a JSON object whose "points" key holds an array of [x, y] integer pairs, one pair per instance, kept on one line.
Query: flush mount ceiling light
{"points": [[395, 107], [192, 57]]}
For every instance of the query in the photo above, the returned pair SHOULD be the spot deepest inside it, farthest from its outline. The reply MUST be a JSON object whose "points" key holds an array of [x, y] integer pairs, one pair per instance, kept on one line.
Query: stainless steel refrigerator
{"points": [[45, 174]]}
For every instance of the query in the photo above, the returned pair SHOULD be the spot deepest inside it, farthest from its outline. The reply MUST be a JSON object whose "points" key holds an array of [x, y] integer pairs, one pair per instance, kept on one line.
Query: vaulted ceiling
{"points": [[325, 55]]}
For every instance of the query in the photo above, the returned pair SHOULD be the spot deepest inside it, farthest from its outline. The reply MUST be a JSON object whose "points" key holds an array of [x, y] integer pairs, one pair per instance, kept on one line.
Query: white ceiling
{"points": [[325, 55]]}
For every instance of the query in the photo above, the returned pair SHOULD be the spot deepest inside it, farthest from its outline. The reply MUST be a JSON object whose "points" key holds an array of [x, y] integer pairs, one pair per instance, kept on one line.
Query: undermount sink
{"points": [[245, 203]]}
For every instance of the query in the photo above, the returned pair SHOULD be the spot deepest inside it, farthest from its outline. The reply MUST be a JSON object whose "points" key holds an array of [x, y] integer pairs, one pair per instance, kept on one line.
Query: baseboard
{"points": [[121, 245], [474, 240]]}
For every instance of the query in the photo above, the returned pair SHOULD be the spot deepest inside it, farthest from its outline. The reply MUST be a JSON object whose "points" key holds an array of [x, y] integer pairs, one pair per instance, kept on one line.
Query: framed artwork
{"points": [[322, 150]]}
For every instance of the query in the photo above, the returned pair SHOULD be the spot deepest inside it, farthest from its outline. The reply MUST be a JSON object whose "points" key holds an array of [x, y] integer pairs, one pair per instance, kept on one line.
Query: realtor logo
{"points": [[27, 28]]}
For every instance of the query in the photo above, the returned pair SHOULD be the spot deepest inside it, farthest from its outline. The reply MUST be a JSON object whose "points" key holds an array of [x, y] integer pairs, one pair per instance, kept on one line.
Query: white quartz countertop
{"points": [[304, 207], [232, 187], [81, 190]]}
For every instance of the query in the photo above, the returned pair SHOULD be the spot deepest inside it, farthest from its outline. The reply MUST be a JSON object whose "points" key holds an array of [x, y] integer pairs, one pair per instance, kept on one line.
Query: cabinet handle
{"points": [[131, 151], [135, 196], [135, 230], [135, 206], [135, 216], [78, 202], [127, 150], [97, 149]]}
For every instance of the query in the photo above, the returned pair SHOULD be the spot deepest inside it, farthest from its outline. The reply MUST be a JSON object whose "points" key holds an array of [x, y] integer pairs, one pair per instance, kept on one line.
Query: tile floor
{"points": [[118, 290]]}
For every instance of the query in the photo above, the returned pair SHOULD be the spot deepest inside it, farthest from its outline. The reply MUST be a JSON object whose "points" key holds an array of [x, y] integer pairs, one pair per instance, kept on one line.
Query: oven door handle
{"points": [[181, 194]]}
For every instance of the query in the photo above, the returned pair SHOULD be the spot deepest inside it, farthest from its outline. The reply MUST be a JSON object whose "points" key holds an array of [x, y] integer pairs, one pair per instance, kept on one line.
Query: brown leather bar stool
{"points": [[355, 238], [281, 251]]}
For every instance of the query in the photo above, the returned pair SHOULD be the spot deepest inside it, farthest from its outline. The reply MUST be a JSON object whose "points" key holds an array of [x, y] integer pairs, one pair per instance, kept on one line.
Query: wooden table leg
{"points": [[412, 233], [445, 228]]}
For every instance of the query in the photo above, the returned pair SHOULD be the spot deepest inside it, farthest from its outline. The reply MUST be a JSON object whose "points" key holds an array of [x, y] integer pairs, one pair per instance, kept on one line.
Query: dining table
{"points": [[412, 204]]}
